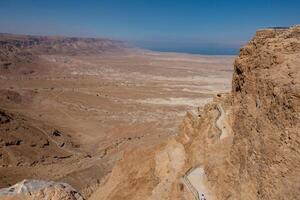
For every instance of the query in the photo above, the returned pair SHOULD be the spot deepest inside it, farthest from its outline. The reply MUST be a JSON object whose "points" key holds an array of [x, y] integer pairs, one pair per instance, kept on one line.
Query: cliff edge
{"points": [[243, 145]]}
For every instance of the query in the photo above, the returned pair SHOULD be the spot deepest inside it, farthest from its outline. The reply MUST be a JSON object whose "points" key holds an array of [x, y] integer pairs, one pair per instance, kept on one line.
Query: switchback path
{"points": [[194, 178], [219, 123]]}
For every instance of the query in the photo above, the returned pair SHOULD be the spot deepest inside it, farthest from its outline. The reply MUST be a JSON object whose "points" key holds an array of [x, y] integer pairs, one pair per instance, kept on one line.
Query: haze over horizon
{"points": [[203, 103], [206, 27]]}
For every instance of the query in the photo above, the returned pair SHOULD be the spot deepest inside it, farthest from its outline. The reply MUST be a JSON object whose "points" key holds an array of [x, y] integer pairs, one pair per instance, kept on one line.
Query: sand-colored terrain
{"points": [[243, 145], [101, 103], [110, 120]]}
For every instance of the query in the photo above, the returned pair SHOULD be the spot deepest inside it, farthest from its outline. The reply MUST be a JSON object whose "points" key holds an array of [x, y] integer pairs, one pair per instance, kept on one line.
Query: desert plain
{"points": [[102, 104]]}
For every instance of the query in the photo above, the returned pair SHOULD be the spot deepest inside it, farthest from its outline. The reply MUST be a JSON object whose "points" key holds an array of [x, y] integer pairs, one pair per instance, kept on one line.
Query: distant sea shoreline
{"points": [[202, 51]]}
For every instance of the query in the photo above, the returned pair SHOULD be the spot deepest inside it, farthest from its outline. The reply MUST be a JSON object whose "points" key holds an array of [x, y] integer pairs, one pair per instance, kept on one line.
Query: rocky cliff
{"points": [[265, 154], [243, 145]]}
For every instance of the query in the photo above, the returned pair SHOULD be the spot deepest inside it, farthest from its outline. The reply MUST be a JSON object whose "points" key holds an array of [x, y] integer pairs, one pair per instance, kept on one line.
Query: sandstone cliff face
{"points": [[244, 145], [266, 90]]}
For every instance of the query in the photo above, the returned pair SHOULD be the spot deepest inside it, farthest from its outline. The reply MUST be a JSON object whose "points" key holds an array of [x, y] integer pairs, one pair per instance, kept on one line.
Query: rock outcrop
{"points": [[244, 145], [38, 189], [265, 155]]}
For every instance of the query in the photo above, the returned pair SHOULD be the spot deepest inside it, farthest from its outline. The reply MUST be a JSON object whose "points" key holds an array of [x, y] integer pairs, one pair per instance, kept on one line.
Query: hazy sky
{"points": [[150, 23]]}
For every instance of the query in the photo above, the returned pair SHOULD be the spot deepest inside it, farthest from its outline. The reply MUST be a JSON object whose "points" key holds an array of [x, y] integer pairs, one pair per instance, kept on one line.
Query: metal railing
{"points": [[189, 185]]}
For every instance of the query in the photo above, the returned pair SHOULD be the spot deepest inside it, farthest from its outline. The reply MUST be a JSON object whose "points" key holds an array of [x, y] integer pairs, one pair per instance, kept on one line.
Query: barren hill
{"points": [[244, 145], [22, 53], [61, 45]]}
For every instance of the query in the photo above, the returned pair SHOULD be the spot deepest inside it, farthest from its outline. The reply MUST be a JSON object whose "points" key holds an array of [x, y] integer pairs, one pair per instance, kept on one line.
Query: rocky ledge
{"points": [[39, 189]]}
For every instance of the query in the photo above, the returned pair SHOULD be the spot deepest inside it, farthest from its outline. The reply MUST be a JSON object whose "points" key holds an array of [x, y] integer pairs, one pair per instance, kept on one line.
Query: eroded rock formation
{"points": [[248, 149], [37, 190]]}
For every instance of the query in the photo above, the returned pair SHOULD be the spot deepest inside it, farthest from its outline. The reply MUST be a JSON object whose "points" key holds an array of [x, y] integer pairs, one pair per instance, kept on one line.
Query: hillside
{"points": [[22, 53], [243, 145], [60, 44], [28, 145]]}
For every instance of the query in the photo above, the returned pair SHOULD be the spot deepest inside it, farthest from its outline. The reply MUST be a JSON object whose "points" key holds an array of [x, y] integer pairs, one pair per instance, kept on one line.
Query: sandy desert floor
{"points": [[109, 103]]}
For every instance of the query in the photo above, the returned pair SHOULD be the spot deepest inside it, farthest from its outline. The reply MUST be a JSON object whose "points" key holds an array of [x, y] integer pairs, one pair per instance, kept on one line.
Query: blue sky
{"points": [[155, 24]]}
